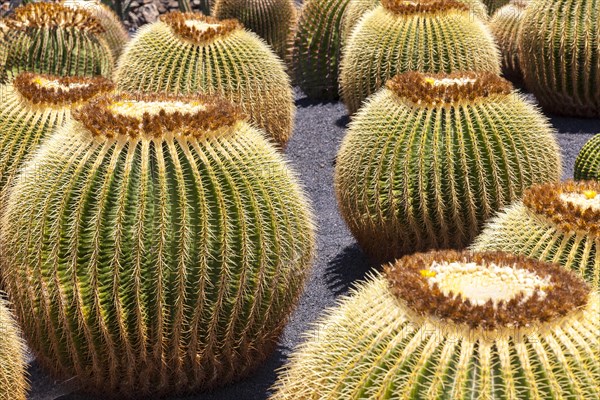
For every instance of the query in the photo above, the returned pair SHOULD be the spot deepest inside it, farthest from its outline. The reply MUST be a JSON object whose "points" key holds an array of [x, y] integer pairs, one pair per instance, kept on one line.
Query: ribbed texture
{"points": [[587, 164], [317, 48], [384, 44], [411, 178], [371, 347], [272, 20], [148, 267], [505, 26], [559, 52], [238, 66], [13, 384], [494, 5], [522, 231]]}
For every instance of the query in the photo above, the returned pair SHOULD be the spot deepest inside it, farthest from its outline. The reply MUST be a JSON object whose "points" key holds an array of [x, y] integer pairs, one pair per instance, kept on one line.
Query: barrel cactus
{"points": [[13, 384], [32, 107], [495, 5], [401, 36], [559, 52], [430, 157], [587, 164], [272, 20], [448, 325], [505, 25], [317, 48], [114, 32], [155, 245], [52, 38], [187, 53], [554, 222]]}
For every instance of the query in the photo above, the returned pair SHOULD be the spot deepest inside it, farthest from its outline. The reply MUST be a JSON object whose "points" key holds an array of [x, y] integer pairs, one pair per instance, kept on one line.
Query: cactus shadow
{"points": [[575, 125], [343, 121], [304, 101], [347, 268]]}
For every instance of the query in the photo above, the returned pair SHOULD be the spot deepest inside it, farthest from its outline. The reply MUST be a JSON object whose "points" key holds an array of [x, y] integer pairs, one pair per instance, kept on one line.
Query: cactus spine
{"points": [[401, 36], [13, 384], [51, 38], [272, 20], [432, 156], [505, 25], [155, 245], [555, 222], [587, 164], [559, 52], [186, 53], [454, 326]]}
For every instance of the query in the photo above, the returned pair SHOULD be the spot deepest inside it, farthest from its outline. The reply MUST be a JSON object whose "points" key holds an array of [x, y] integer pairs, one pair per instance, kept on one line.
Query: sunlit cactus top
{"points": [[53, 15], [407, 7], [199, 28]]}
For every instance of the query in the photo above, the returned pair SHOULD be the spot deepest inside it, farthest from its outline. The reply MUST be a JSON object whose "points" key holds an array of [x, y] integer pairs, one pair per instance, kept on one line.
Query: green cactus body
{"points": [[494, 5], [13, 384], [32, 107], [431, 157], [587, 164], [454, 326], [114, 32], [401, 36], [555, 222], [559, 52], [505, 25], [357, 8], [186, 53], [272, 20], [155, 245], [317, 48], [50, 38]]}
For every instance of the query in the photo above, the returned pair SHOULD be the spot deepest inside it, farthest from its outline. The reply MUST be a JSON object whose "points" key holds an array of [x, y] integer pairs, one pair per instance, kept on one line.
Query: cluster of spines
{"points": [[13, 381], [505, 25], [179, 23], [587, 164]]}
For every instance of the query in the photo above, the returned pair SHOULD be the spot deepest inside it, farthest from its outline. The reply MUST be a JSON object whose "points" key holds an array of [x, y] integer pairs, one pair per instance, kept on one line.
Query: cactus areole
{"points": [[198, 28]]}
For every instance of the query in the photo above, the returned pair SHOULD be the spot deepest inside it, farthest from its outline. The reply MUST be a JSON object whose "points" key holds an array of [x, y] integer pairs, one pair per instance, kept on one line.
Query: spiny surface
{"points": [[494, 5], [505, 25], [587, 164], [413, 176], [13, 383]]}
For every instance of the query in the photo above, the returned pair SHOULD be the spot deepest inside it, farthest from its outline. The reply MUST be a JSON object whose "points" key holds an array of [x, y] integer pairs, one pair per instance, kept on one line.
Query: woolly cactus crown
{"points": [[408, 7], [53, 15], [198, 28]]}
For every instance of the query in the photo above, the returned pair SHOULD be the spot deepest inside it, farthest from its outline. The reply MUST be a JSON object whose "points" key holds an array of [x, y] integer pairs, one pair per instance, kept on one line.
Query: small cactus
{"points": [[449, 325], [155, 245], [401, 36], [272, 20], [318, 48], [32, 107], [554, 222], [505, 25], [13, 384], [587, 164], [559, 53], [51, 38], [431, 157], [188, 53]]}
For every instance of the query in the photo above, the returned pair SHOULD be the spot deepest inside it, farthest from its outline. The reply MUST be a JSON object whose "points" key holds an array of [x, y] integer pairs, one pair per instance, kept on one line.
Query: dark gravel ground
{"points": [[319, 130]]}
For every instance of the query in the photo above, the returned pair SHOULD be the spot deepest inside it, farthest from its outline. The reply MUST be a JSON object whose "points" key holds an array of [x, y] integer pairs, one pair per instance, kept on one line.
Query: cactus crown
{"points": [[485, 290], [53, 15], [199, 28], [56, 90], [136, 115], [434, 90], [407, 7], [572, 206]]}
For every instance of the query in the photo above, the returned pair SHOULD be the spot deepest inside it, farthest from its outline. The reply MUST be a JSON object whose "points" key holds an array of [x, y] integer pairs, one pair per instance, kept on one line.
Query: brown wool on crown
{"points": [[567, 293], [213, 114], [427, 90], [406, 7], [68, 90], [179, 22], [53, 15], [546, 200]]}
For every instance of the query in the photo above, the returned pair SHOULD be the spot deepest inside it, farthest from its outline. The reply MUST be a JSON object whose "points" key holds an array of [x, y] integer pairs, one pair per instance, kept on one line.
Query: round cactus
{"points": [[448, 325], [424, 35], [32, 107], [114, 32], [187, 53], [554, 222], [317, 48], [272, 20], [495, 5], [155, 245], [587, 164], [432, 156], [51, 38], [505, 25], [559, 53], [13, 384]]}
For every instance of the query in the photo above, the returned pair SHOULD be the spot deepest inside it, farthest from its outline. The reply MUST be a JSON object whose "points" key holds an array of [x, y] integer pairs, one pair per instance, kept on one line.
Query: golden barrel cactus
{"points": [[505, 25], [155, 245], [587, 164], [13, 381], [431, 157]]}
